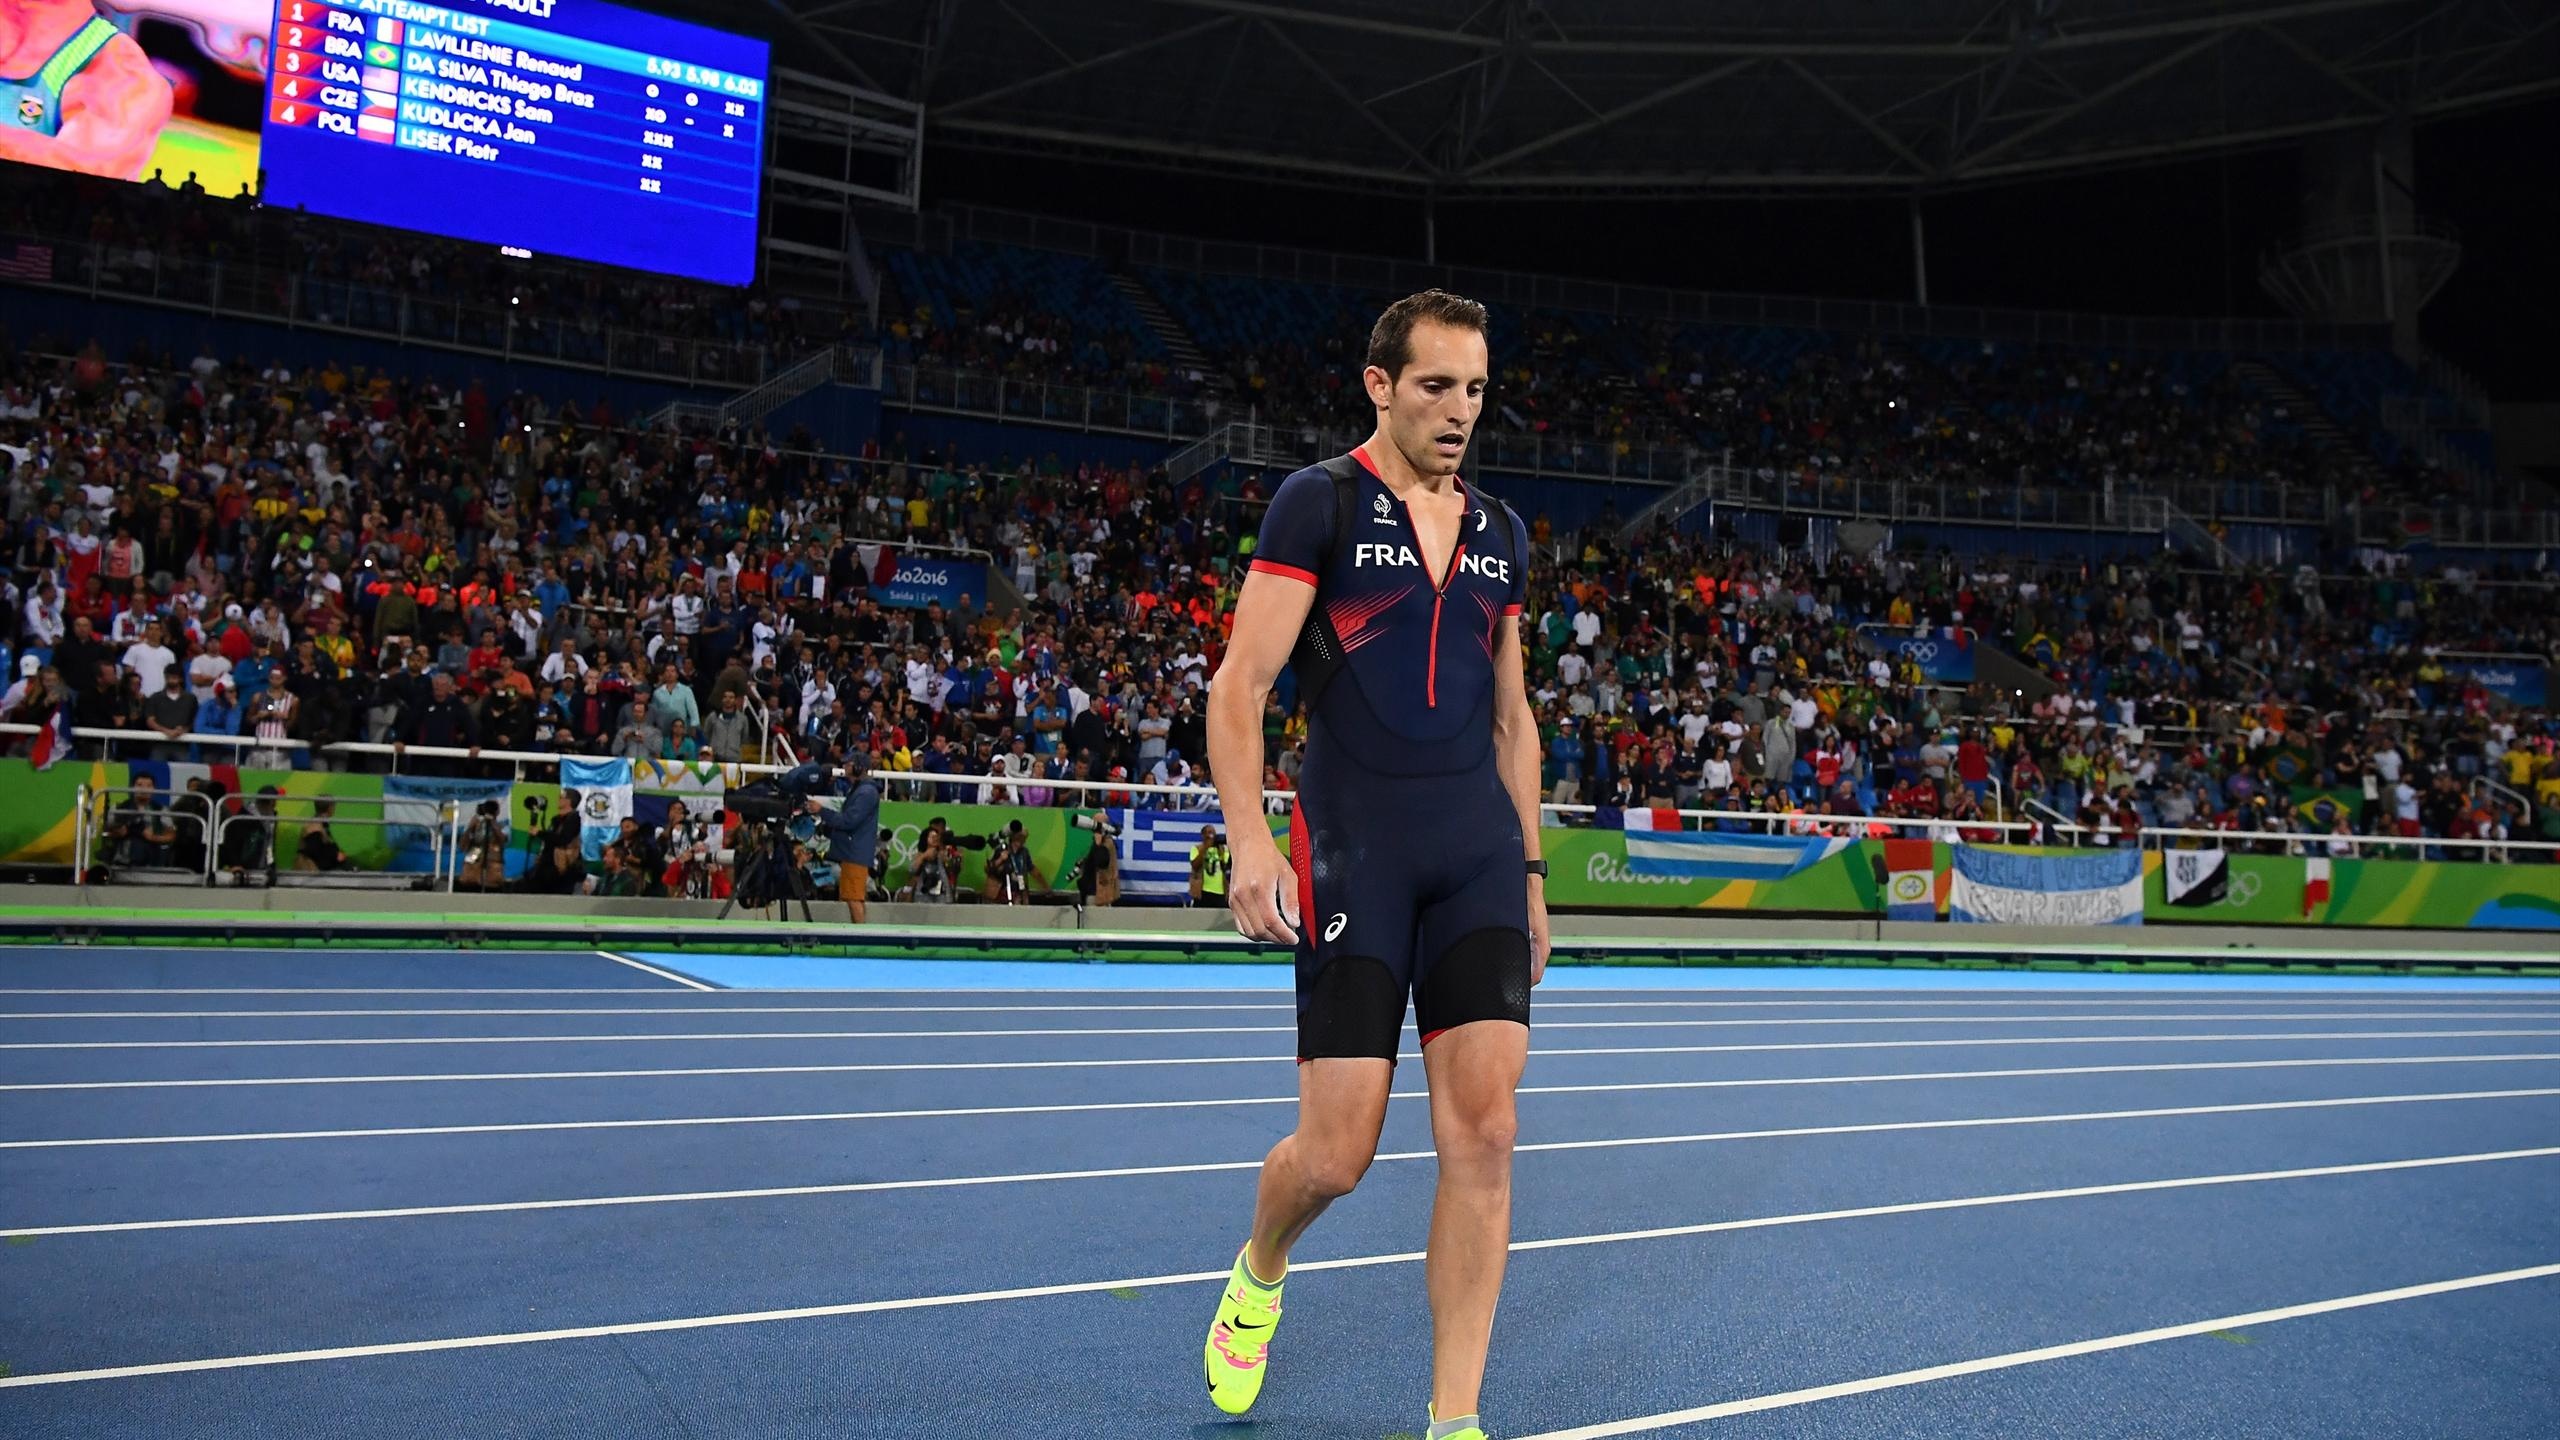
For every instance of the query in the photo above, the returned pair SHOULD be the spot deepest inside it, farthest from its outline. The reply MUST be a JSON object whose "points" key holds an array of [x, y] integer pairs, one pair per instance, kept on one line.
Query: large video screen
{"points": [[561, 127]]}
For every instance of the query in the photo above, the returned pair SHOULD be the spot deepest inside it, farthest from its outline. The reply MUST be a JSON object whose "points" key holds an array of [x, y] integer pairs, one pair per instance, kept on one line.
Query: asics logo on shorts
{"points": [[1334, 927]]}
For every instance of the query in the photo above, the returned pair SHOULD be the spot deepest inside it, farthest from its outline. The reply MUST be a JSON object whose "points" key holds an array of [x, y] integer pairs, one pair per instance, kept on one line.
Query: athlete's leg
{"points": [[1471, 1003], [1474, 1070], [1342, 1105]]}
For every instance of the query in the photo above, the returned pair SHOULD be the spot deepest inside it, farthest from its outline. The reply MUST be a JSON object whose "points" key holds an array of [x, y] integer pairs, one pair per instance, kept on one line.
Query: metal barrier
{"points": [[94, 812], [444, 837]]}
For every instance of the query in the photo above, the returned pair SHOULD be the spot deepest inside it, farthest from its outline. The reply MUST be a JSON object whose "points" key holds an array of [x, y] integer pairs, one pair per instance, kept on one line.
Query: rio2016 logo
{"points": [[919, 575], [1606, 869]]}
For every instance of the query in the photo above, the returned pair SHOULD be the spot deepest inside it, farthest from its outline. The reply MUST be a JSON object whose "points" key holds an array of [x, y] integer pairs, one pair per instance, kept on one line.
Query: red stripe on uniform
{"points": [[1510, 610], [1302, 859], [1430, 1035], [1274, 567], [1360, 453]]}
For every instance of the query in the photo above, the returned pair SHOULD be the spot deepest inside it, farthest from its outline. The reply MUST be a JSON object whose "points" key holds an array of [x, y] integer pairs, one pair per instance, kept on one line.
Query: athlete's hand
{"points": [[1541, 941], [1262, 893]]}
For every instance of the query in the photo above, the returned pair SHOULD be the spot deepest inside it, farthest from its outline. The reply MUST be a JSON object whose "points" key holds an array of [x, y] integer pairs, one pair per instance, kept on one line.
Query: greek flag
{"points": [[1155, 852]]}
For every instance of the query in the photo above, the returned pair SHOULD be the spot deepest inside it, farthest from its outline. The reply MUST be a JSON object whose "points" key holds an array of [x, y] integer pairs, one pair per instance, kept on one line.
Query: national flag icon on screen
{"points": [[387, 31], [376, 123], [378, 53], [377, 77]]}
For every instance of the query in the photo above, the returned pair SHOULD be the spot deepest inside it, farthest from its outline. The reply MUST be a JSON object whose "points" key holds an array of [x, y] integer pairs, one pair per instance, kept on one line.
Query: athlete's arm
{"points": [[111, 117], [1515, 755], [1270, 611]]}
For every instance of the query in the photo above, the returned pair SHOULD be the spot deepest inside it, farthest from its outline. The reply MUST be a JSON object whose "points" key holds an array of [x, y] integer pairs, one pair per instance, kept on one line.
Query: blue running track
{"points": [[309, 1193]]}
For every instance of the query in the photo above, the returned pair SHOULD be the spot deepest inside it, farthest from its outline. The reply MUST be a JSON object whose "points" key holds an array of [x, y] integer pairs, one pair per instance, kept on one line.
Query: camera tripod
{"points": [[770, 875]]}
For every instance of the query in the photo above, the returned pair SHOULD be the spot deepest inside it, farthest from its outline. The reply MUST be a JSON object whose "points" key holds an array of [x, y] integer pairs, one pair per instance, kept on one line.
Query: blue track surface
{"points": [[1108, 1158]]}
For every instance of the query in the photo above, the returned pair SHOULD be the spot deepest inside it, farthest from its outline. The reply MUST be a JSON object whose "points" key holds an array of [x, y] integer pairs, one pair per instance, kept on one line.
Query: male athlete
{"points": [[1396, 592], [76, 93]]}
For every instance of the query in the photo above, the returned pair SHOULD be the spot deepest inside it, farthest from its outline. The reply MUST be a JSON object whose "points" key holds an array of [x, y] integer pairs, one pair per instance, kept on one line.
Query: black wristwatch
{"points": [[1538, 868]]}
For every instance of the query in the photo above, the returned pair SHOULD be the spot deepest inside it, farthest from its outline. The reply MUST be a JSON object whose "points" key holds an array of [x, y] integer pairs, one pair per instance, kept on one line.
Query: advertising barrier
{"points": [[1590, 868]]}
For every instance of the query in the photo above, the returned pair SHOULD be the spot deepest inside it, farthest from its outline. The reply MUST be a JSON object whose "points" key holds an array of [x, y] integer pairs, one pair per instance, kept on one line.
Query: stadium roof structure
{"points": [[1576, 98]]}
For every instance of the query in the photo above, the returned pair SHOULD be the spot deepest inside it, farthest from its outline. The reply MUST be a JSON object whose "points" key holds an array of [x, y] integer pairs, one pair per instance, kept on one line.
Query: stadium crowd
{"points": [[1825, 410], [215, 547]]}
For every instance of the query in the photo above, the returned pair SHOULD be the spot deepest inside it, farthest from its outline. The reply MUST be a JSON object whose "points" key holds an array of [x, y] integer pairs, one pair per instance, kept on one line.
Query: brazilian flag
{"points": [[2293, 763], [2318, 809]]}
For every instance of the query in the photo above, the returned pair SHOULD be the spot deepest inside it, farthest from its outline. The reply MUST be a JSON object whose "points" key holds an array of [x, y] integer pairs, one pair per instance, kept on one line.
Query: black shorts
{"points": [[1407, 886]]}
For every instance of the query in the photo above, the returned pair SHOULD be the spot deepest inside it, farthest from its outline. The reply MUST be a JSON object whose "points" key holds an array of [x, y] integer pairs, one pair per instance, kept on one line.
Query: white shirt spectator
{"points": [[1586, 627], [151, 662], [44, 622], [202, 671], [1802, 713], [686, 607], [1571, 668]]}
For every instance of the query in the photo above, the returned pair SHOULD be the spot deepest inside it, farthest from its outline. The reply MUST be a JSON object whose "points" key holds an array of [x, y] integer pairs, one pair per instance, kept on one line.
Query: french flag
{"points": [[53, 742]]}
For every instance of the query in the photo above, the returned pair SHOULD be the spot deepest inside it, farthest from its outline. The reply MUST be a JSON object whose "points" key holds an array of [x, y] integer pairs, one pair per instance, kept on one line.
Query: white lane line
{"points": [[686, 981], [2059, 994], [926, 1066], [962, 1182], [2434, 1012], [523, 1127], [2343, 1010], [1989, 1363], [1018, 1033], [1204, 1277]]}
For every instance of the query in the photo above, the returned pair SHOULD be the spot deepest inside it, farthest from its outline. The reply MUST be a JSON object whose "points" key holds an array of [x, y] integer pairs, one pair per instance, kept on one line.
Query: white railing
{"points": [[153, 737]]}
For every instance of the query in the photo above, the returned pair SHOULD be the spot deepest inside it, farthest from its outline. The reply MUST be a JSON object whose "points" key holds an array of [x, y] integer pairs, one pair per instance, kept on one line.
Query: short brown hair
{"points": [[1391, 339]]}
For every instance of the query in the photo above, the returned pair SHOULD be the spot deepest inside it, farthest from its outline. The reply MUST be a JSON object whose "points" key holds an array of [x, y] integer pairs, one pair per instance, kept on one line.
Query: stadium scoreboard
{"points": [[568, 127]]}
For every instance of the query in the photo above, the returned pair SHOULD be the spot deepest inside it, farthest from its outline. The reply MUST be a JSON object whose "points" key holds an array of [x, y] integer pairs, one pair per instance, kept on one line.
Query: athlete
{"points": [[76, 93], [1395, 591]]}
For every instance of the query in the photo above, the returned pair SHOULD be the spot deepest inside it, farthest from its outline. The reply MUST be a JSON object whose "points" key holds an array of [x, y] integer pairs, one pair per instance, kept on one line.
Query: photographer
{"points": [[559, 860], [935, 873], [1098, 878], [1011, 873], [689, 846], [853, 832], [484, 850], [249, 845], [318, 849], [1210, 866]]}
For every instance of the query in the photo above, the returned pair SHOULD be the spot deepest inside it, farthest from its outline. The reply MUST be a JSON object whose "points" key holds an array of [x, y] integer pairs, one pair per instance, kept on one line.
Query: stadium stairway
{"points": [[1178, 342], [1997, 668], [2355, 456]]}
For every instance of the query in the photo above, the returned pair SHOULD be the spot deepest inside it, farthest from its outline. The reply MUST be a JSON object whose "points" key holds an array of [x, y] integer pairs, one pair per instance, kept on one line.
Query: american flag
{"points": [[27, 262]]}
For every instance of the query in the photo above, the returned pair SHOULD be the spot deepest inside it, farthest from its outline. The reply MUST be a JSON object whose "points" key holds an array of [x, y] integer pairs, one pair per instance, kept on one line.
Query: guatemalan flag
{"points": [[604, 797], [1657, 846]]}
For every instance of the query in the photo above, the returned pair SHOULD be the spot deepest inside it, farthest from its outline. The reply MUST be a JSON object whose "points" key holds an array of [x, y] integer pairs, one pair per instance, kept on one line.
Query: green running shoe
{"points": [[1240, 1339]]}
